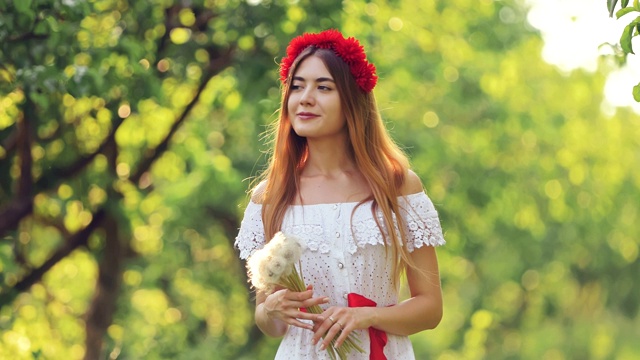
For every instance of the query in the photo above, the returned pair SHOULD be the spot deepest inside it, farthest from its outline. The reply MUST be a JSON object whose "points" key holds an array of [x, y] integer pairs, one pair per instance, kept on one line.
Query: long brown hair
{"points": [[380, 160]]}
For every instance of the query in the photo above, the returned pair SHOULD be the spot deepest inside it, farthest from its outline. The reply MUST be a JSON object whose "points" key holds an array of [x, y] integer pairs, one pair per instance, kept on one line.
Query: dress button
{"points": [[335, 206], [340, 265], [346, 295], [337, 234]]}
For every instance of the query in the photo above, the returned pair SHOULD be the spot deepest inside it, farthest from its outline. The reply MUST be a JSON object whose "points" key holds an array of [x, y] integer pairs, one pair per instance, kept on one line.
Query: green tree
{"points": [[534, 184], [128, 129], [630, 31], [122, 170]]}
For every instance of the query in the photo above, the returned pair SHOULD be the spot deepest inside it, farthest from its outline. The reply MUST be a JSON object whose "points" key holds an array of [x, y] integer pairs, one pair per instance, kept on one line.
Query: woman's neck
{"points": [[331, 175], [328, 158]]}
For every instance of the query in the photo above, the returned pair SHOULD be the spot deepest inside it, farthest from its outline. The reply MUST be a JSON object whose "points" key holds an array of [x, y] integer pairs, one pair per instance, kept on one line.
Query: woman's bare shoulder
{"points": [[257, 193], [412, 184]]}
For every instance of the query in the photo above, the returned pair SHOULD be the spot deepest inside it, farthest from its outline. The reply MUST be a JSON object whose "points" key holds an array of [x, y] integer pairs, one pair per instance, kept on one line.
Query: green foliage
{"points": [[630, 31], [133, 110], [145, 120]]}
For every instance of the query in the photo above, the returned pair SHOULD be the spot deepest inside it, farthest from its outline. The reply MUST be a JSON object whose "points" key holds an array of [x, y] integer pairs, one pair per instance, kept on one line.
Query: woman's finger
{"points": [[345, 330], [308, 316], [314, 301], [295, 322], [333, 331], [299, 296], [324, 326], [296, 304]]}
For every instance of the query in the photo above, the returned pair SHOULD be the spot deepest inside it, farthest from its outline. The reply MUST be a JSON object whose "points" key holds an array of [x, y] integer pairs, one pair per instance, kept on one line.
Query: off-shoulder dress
{"points": [[344, 252]]}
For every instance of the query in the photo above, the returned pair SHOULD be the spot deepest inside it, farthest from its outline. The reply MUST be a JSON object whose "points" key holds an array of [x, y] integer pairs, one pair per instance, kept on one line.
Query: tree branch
{"points": [[14, 211], [172, 21], [22, 204], [10, 142], [78, 239], [19, 207], [56, 175], [25, 182], [27, 36], [216, 66]]}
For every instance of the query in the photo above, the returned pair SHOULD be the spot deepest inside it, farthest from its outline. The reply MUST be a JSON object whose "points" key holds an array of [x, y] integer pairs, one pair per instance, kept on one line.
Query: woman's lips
{"points": [[307, 116]]}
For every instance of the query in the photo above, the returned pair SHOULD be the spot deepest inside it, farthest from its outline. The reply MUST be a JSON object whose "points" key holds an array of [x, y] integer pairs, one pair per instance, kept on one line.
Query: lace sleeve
{"points": [[251, 235], [422, 222]]}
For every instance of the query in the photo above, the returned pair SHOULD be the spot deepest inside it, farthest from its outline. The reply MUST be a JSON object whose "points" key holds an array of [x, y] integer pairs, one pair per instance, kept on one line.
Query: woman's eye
{"points": [[322, 87], [296, 87]]}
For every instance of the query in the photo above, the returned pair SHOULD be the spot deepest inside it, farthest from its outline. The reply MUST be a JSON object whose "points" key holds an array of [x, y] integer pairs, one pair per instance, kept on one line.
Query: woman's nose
{"points": [[307, 97]]}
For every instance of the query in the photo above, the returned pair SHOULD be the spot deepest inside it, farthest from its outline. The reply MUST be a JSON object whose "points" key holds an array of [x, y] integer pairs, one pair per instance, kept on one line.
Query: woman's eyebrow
{"points": [[318, 80]]}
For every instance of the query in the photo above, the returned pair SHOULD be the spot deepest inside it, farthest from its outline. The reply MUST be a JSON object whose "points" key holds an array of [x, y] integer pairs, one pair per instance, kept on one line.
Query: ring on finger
{"points": [[333, 321], [339, 323]]}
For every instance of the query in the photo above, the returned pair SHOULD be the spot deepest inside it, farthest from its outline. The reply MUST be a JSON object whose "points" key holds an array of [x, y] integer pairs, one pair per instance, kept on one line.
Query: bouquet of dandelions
{"points": [[274, 265]]}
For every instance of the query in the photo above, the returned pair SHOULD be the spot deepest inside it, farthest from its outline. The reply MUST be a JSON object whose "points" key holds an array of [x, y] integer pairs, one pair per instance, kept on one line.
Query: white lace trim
{"points": [[311, 236], [420, 216], [422, 224], [251, 235], [366, 233]]}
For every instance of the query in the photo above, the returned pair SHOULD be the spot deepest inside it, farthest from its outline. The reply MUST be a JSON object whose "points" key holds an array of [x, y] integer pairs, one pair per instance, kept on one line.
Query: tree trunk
{"points": [[100, 314]]}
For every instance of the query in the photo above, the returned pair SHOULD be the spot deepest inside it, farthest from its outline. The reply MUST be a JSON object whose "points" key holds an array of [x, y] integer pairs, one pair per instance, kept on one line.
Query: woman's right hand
{"points": [[285, 305]]}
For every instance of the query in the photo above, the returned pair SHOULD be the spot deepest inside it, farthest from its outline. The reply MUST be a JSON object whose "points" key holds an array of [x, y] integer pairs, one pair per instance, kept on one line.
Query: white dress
{"points": [[344, 254]]}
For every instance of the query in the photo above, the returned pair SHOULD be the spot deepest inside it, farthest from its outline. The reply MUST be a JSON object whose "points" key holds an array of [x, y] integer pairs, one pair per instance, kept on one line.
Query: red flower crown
{"points": [[349, 50]]}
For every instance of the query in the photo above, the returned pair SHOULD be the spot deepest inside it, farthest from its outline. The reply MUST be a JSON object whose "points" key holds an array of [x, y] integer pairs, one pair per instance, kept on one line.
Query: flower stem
{"points": [[294, 282]]}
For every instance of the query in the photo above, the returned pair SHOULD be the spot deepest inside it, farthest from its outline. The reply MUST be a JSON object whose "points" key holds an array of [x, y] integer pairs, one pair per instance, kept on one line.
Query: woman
{"points": [[338, 182]]}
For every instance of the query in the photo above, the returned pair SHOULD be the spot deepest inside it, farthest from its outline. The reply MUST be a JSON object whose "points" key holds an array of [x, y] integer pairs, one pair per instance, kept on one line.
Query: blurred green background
{"points": [[130, 131]]}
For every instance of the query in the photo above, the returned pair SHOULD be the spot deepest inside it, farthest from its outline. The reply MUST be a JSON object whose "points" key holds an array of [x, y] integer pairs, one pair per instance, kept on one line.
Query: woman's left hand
{"points": [[339, 322]]}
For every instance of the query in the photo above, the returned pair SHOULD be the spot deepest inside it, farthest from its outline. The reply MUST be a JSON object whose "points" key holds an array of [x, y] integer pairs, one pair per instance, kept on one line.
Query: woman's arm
{"points": [[423, 310]]}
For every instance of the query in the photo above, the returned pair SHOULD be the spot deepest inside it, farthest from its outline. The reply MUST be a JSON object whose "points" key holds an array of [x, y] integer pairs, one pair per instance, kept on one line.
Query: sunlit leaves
{"points": [[545, 168], [169, 167], [152, 305], [9, 108], [100, 30], [180, 35], [47, 320], [146, 128], [624, 11], [628, 33], [636, 93]]}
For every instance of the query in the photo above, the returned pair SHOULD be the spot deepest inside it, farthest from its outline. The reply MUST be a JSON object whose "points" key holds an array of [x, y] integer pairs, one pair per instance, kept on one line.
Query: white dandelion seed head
{"points": [[256, 266], [276, 267], [276, 260], [292, 250]]}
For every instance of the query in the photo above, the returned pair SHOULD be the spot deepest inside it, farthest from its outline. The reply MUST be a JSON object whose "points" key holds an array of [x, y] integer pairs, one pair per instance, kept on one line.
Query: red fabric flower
{"points": [[349, 50]]}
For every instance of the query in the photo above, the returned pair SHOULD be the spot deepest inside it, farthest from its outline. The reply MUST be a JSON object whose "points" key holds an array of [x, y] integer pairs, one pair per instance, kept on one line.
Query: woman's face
{"points": [[314, 107]]}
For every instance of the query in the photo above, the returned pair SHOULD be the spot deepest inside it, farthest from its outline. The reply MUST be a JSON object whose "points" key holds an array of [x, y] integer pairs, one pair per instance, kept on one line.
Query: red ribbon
{"points": [[377, 338]]}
